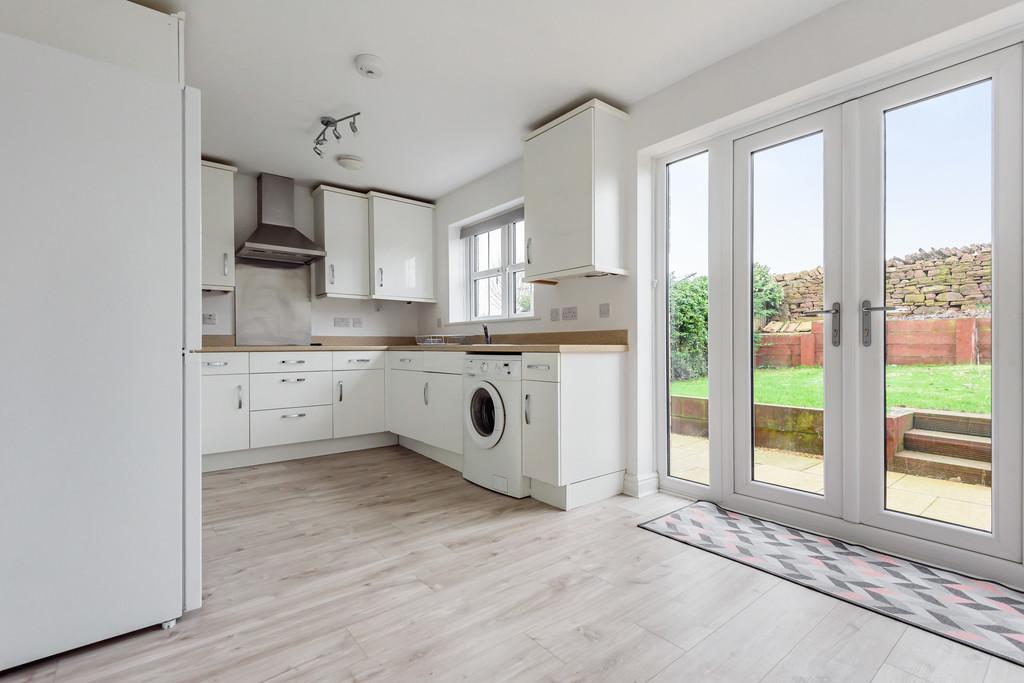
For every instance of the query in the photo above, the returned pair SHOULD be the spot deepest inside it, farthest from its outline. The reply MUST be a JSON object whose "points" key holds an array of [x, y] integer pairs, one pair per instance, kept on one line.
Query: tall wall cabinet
{"points": [[574, 197], [342, 226], [402, 248], [218, 226]]}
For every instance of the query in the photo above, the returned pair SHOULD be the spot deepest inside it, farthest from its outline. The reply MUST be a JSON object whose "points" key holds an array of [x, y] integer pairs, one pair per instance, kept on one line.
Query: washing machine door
{"points": [[485, 414]]}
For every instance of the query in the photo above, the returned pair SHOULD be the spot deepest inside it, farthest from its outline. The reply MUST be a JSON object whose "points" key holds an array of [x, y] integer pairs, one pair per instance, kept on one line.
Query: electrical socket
{"points": [[604, 310], [357, 322], [555, 315], [343, 322], [209, 318], [438, 322], [569, 313]]}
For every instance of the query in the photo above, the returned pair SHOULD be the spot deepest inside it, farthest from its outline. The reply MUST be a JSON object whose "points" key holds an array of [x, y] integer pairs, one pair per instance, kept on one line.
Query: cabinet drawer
{"points": [[289, 361], [443, 361], [358, 360], [290, 425], [225, 363], [405, 360], [540, 366], [289, 389]]}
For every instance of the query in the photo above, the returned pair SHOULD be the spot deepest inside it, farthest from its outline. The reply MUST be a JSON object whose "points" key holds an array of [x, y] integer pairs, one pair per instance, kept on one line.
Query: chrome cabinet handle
{"points": [[380, 277], [332, 273], [215, 363], [405, 360], [294, 380], [292, 416], [865, 319], [341, 391], [836, 322], [526, 403], [239, 396], [358, 360], [426, 395], [292, 362], [225, 263], [538, 366], [529, 250]]}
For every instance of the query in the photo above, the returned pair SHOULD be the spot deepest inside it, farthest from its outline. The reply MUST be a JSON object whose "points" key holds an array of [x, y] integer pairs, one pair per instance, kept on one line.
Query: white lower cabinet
{"points": [[443, 410], [541, 448], [358, 400], [290, 425], [225, 413], [426, 406]]}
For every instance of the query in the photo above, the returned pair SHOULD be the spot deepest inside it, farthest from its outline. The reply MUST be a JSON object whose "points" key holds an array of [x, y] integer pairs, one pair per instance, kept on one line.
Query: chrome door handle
{"points": [[225, 263], [526, 403], [836, 321], [866, 309], [380, 277], [529, 250], [292, 362], [292, 416], [215, 363], [426, 396], [332, 273], [239, 396], [295, 380], [341, 391]]}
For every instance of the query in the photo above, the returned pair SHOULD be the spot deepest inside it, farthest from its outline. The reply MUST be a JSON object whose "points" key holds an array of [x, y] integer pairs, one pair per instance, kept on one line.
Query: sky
{"points": [[938, 170]]}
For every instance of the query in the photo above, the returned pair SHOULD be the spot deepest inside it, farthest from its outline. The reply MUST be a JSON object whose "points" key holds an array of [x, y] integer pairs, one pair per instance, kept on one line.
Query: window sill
{"points": [[488, 321]]}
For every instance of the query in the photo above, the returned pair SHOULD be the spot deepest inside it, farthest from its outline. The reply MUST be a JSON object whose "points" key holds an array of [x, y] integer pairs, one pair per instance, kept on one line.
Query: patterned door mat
{"points": [[981, 614]]}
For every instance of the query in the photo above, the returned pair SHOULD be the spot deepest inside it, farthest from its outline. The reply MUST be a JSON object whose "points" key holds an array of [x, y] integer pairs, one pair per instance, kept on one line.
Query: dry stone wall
{"points": [[949, 282]]}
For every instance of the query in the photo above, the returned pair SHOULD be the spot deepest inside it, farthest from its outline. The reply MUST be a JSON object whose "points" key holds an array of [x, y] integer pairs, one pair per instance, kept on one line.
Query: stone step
{"points": [[937, 466], [953, 422], [944, 443]]}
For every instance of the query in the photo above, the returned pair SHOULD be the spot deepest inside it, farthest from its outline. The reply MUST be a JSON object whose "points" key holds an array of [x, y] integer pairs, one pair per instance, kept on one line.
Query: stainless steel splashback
{"points": [[272, 305]]}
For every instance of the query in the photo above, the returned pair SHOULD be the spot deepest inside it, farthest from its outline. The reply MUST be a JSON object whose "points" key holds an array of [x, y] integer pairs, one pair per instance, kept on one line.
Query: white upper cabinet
{"points": [[402, 248], [575, 204], [218, 226], [342, 227]]}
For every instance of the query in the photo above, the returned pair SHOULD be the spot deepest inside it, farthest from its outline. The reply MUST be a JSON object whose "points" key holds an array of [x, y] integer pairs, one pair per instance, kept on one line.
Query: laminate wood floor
{"points": [[383, 565]]}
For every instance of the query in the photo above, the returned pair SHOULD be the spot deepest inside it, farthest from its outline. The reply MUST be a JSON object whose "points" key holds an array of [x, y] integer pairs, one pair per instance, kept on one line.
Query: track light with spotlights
{"points": [[331, 123]]}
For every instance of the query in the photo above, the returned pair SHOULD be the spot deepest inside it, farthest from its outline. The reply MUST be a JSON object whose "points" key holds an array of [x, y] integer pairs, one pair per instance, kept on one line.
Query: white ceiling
{"points": [[464, 80]]}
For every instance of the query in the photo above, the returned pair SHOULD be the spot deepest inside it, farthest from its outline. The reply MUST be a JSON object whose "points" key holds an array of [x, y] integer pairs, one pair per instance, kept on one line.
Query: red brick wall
{"points": [[929, 341]]}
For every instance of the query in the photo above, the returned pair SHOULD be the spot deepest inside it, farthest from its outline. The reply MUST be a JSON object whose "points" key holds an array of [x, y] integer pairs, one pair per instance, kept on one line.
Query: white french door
{"points": [[877, 312]]}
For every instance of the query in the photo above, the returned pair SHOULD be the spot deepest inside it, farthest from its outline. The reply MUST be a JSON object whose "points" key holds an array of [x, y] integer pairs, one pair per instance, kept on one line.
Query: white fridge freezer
{"points": [[97, 437]]}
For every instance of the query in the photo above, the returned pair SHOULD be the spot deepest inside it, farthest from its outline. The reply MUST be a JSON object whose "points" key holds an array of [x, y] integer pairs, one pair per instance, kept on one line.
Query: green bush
{"points": [[688, 318]]}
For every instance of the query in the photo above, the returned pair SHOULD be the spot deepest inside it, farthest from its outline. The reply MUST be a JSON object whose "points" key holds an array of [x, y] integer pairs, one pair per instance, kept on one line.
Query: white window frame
{"points": [[506, 271]]}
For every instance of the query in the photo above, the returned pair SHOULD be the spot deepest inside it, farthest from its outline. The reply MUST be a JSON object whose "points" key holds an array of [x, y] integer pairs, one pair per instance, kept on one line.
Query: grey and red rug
{"points": [[981, 614]]}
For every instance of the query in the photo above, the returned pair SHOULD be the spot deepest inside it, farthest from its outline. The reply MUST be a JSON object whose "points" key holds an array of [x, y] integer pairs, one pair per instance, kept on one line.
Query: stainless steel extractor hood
{"points": [[275, 239]]}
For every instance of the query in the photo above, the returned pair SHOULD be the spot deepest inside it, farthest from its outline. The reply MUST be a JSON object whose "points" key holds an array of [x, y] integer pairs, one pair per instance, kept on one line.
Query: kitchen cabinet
{"points": [[359, 406], [401, 248], [541, 448], [426, 405], [575, 195], [290, 425], [225, 409], [342, 227], [404, 413], [443, 410], [218, 216]]}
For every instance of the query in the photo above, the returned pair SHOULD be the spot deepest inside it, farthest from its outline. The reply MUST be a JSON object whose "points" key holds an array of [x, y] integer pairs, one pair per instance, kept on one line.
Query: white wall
{"points": [[495, 189], [379, 318]]}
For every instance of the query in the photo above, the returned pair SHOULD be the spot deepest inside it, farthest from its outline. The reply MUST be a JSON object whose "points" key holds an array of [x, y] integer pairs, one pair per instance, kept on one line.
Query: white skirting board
{"points": [[580, 493], [446, 458], [261, 456]]}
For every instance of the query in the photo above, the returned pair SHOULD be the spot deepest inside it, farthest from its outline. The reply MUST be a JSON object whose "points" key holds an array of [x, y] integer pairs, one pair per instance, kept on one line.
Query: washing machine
{"points": [[492, 434]]}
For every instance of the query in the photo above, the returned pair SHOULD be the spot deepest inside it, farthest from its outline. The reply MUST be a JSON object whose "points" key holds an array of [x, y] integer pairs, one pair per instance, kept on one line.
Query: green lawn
{"points": [[965, 388]]}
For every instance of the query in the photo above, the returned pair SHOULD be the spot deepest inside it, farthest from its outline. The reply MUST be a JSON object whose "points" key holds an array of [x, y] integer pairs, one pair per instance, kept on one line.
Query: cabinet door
{"points": [[541, 451], [405, 413], [559, 200], [225, 424], [442, 394], [342, 226], [218, 227], [358, 403], [403, 250]]}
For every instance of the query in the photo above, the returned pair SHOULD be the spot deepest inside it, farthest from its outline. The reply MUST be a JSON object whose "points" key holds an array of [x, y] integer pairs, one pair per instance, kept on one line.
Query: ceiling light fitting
{"points": [[331, 123]]}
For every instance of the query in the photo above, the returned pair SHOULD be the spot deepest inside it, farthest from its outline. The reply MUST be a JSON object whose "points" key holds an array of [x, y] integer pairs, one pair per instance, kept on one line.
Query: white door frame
{"points": [[828, 123], [1003, 68]]}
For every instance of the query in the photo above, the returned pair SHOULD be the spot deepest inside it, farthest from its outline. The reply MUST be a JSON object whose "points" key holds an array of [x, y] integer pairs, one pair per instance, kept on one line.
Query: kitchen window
{"points": [[496, 256]]}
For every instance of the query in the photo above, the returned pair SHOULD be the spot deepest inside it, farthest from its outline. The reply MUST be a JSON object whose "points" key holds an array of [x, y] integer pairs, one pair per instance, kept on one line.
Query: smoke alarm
{"points": [[349, 162], [370, 66]]}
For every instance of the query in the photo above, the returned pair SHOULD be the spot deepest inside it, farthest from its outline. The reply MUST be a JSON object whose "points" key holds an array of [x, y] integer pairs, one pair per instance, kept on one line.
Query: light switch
{"points": [[555, 315], [209, 318], [604, 310]]}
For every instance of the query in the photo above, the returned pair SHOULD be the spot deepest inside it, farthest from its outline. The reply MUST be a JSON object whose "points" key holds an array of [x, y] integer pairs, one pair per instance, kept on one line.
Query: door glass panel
{"points": [[688, 318], [787, 284], [938, 275]]}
